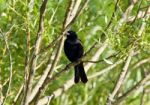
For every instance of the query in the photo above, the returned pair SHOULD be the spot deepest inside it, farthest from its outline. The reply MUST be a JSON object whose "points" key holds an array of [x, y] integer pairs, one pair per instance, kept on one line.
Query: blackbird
{"points": [[74, 51]]}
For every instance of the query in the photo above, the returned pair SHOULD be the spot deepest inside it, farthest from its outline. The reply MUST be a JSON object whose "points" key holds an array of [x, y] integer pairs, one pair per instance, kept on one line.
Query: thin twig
{"points": [[49, 69], [35, 52], [120, 80], [98, 61], [142, 97], [26, 65], [68, 66], [69, 9], [89, 64], [110, 99], [1, 88], [137, 12], [125, 15], [67, 15], [106, 69], [145, 7], [134, 88], [11, 67], [18, 95], [73, 13], [113, 15], [70, 82], [138, 64], [140, 15]]}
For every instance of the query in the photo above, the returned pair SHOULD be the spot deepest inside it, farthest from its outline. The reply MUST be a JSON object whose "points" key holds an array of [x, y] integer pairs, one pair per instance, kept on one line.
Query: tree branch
{"points": [[32, 67], [110, 99], [138, 64], [134, 88], [49, 70], [120, 81], [11, 64], [70, 82]]}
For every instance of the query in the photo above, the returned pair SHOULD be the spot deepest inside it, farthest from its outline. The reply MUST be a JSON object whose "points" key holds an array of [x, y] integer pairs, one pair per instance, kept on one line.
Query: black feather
{"points": [[74, 51]]}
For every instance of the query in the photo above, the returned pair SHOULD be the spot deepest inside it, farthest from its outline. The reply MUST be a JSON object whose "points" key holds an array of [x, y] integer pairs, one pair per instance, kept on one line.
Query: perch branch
{"points": [[70, 82], [49, 70]]}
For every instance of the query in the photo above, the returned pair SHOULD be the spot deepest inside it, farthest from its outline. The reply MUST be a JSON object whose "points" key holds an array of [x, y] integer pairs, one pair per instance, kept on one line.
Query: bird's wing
{"points": [[79, 49], [73, 50]]}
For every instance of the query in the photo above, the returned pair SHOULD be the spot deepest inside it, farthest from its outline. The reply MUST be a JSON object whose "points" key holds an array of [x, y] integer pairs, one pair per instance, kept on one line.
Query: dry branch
{"points": [[18, 95], [11, 64], [70, 82], [120, 80], [125, 15], [106, 69], [32, 67], [110, 99], [137, 86], [138, 64], [49, 70]]}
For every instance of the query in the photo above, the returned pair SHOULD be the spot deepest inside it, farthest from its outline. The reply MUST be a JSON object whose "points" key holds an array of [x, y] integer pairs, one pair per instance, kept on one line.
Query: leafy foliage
{"points": [[21, 17]]}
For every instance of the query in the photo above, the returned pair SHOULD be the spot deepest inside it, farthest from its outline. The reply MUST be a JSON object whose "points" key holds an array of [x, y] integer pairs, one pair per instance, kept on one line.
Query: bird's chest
{"points": [[71, 50]]}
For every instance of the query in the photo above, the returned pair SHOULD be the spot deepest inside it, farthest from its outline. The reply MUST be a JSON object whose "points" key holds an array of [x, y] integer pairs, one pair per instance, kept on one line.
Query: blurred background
{"points": [[120, 27]]}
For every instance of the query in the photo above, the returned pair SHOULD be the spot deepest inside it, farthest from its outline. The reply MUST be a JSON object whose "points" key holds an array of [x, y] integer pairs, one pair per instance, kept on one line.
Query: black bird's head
{"points": [[71, 35]]}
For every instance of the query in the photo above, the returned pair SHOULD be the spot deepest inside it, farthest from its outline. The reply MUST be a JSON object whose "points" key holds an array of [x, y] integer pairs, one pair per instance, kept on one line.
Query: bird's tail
{"points": [[80, 73]]}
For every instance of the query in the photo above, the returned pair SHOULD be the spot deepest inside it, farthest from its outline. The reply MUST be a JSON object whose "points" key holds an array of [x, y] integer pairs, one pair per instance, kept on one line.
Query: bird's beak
{"points": [[67, 34]]}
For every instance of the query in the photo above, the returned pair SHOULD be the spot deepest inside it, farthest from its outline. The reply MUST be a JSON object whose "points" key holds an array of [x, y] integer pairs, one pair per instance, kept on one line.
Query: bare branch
{"points": [[106, 69], [145, 7], [27, 61], [142, 97], [49, 70], [113, 15], [138, 85], [34, 58], [98, 61], [125, 15], [70, 7], [110, 99], [70, 82], [137, 11], [18, 95], [142, 28], [138, 64], [89, 64], [120, 80], [72, 64], [139, 15], [10, 61]]}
